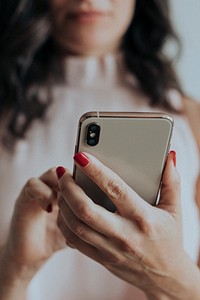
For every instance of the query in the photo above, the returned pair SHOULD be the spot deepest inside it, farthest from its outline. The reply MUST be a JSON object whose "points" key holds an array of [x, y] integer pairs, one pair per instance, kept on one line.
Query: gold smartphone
{"points": [[134, 145]]}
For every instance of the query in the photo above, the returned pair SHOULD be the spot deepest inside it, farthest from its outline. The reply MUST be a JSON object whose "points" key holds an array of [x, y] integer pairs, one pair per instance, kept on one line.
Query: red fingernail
{"points": [[173, 153], [81, 159], [60, 171], [49, 208]]}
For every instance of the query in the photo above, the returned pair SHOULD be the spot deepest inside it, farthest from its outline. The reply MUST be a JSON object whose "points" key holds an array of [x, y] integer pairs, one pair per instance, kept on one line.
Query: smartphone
{"points": [[134, 145]]}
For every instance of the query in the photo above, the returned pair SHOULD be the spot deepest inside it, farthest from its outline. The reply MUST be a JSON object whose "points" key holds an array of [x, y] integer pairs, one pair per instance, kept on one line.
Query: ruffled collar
{"points": [[89, 71]]}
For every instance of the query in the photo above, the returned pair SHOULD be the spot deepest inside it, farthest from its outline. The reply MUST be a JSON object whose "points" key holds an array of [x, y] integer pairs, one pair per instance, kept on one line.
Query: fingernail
{"points": [[49, 208], [60, 171], [70, 245], [173, 153], [81, 159]]}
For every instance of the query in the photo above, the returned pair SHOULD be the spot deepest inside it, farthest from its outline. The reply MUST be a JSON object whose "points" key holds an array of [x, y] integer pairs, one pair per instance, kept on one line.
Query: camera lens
{"points": [[93, 133], [93, 127]]}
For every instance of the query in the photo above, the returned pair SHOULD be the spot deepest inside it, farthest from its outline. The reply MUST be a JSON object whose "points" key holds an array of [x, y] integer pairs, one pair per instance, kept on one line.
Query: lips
{"points": [[87, 16]]}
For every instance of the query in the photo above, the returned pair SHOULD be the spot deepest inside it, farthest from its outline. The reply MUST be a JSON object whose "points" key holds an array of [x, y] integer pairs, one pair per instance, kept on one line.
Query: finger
{"points": [[84, 208], [71, 240], [93, 245], [36, 195], [111, 225], [63, 229], [197, 193], [170, 189], [41, 192], [127, 201], [50, 179], [79, 228]]}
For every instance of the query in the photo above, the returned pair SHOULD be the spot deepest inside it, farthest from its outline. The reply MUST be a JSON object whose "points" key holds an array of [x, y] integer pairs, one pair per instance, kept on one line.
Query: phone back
{"points": [[134, 145]]}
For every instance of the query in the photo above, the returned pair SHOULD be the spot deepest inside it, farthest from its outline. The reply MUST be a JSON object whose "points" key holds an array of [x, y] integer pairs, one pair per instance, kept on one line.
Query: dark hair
{"points": [[143, 45], [28, 58]]}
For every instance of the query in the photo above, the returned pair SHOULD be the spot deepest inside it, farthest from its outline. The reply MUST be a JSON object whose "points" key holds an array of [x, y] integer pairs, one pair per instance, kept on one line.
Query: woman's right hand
{"points": [[140, 243], [33, 235]]}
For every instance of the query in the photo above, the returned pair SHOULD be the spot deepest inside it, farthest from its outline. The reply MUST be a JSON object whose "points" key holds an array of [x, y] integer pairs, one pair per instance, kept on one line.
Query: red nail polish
{"points": [[173, 153], [81, 159], [60, 171], [49, 208]]}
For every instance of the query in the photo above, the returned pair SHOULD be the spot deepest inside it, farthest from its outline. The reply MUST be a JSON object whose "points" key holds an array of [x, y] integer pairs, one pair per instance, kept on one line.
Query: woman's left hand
{"points": [[140, 243]]}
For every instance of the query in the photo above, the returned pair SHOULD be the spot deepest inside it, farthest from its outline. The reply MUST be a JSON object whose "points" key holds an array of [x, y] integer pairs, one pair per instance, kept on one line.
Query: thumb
{"points": [[170, 189]]}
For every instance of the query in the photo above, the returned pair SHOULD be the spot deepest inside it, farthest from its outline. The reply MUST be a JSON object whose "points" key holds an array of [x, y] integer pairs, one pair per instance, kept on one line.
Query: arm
{"points": [[140, 244], [198, 204], [192, 112], [33, 236], [191, 109], [13, 285]]}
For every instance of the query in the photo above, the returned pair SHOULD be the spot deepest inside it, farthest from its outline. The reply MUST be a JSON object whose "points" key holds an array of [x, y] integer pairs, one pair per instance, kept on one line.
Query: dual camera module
{"points": [[93, 134]]}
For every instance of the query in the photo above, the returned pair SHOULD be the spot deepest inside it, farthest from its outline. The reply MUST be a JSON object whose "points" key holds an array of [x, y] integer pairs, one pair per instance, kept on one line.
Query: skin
{"points": [[140, 244], [22, 256], [129, 243], [192, 111], [90, 27]]}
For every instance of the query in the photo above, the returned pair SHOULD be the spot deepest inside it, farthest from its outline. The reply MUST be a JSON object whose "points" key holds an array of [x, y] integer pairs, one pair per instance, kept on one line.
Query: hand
{"points": [[33, 235], [139, 243]]}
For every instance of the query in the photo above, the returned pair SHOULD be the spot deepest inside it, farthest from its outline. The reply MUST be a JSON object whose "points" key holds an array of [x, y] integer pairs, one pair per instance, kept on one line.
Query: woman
{"points": [[60, 59]]}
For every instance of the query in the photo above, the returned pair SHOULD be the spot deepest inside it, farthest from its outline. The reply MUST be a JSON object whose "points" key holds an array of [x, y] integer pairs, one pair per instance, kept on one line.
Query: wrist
{"points": [[183, 283], [11, 273]]}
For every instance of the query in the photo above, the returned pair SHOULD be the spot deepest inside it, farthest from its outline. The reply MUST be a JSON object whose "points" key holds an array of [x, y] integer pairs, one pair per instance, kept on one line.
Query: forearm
{"points": [[12, 290], [184, 284], [12, 283]]}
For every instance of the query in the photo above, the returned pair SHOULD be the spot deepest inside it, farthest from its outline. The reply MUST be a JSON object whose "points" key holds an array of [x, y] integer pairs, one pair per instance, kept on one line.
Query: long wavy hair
{"points": [[30, 65]]}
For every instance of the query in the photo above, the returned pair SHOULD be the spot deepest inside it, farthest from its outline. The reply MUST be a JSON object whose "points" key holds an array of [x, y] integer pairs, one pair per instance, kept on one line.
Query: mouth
{"points": [[87, 16]]}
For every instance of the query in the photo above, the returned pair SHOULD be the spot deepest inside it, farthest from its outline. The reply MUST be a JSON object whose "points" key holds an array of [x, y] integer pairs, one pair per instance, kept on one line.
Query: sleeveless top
{"points": [[91, 84]]}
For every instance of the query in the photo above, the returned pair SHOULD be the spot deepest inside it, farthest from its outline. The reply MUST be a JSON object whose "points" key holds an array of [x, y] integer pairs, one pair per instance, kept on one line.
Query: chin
{"points": [[91, 49]]}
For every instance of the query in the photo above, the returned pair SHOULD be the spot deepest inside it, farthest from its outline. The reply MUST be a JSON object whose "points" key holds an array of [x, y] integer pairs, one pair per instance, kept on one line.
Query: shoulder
{"points": [[191, 105], [191, 108]]}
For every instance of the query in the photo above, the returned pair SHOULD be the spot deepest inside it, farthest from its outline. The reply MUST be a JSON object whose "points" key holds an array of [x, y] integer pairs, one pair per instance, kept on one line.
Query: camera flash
{"points": [[92, 135]]}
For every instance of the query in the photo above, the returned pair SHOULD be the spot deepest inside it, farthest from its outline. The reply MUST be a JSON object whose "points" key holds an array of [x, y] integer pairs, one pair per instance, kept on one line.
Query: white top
{"points": [[91, 84]]}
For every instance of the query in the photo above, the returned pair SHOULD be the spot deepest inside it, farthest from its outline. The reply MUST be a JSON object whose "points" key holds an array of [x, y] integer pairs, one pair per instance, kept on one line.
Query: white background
{"points": [[186, 19]]}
